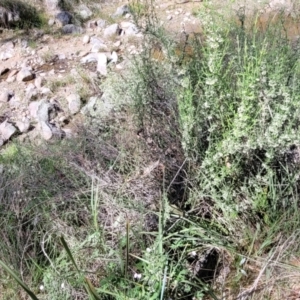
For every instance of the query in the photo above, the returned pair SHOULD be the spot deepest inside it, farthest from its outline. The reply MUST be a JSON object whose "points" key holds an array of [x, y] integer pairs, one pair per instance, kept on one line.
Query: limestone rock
{"points": [[102, 64], [6, 130], [44, 110], [74, 103], [33, 108], [25, 74], [111, 30], [24, 125], [39, 82], [97, 45], [89, 58], [101, 23], [6, 54], [71, 29], [121, 11], [52, 4], [5, 96], [86, 39], [114, 57], [129, 28], [84, 12], [45, 131]]}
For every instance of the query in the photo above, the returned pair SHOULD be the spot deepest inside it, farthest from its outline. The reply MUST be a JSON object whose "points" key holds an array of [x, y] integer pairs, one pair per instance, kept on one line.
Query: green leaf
{"points": [[69, 253], [18, 280]]}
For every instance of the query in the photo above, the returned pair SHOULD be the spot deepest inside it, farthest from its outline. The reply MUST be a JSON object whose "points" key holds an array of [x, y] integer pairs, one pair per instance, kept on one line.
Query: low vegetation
{"points": [[188, 190]]}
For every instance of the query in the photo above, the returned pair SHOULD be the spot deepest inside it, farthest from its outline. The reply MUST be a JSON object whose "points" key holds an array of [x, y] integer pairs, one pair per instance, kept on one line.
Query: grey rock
{"points": [[102, 64], [45, 91], [5, 96], [61, 56], [97, 45], [7, 54], [101, 23], [44, 110], [74, 103], [96, 40], [45, 130], [63, 18], [68, 133], [7, 130], [33, 108], [71, 29], [89, 58], [111, 30], [25, 74], [129, 28], [86, 39], [24, 125], [11, 79], [51, 22], [90, 108], [24, 43], [39, 82], [114, 57], [84, 11], [98, 107], [121, 11], [52, 4]]}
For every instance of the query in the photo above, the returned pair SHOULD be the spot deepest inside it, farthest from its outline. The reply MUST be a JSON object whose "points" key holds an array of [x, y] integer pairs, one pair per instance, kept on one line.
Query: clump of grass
{"points": [[29, 15]]}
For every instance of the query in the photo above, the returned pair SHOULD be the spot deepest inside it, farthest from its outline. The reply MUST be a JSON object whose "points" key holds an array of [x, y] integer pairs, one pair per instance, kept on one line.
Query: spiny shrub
{"points": [[239, 114]]}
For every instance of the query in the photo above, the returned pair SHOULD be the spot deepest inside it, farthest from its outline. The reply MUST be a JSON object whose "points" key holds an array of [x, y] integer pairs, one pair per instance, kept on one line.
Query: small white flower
{"points": [[62, 285], [148, 250], [211, 81], [137, 276], [42, 287]]}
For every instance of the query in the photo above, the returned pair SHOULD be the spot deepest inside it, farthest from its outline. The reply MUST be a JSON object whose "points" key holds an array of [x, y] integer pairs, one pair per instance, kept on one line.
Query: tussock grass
{"points": [[29, 15]]}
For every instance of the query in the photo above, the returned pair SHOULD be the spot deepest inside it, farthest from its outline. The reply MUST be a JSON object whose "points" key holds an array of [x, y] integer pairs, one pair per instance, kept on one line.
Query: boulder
{"points": [[5, 96], [84, 12], [71, 29], [25, 74], [44, 110], [52, 5], [121, 11], [74, 103], [89, 58], [101, 23], [45, 130], [102, 64], [129, 28], [114, 57], [63, 18], [7, 130], [23, 125], [97, 45], [86, 39], [111, 30]]}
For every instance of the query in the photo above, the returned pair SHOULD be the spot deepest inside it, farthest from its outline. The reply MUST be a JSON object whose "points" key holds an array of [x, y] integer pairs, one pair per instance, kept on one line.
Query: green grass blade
{"points": [[91, 289], [18, 280], [65, 245], [127, 248]]}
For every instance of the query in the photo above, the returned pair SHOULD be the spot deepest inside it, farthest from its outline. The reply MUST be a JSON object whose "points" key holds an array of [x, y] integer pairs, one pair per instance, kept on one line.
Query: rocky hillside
{"points": [[50, 75]]}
